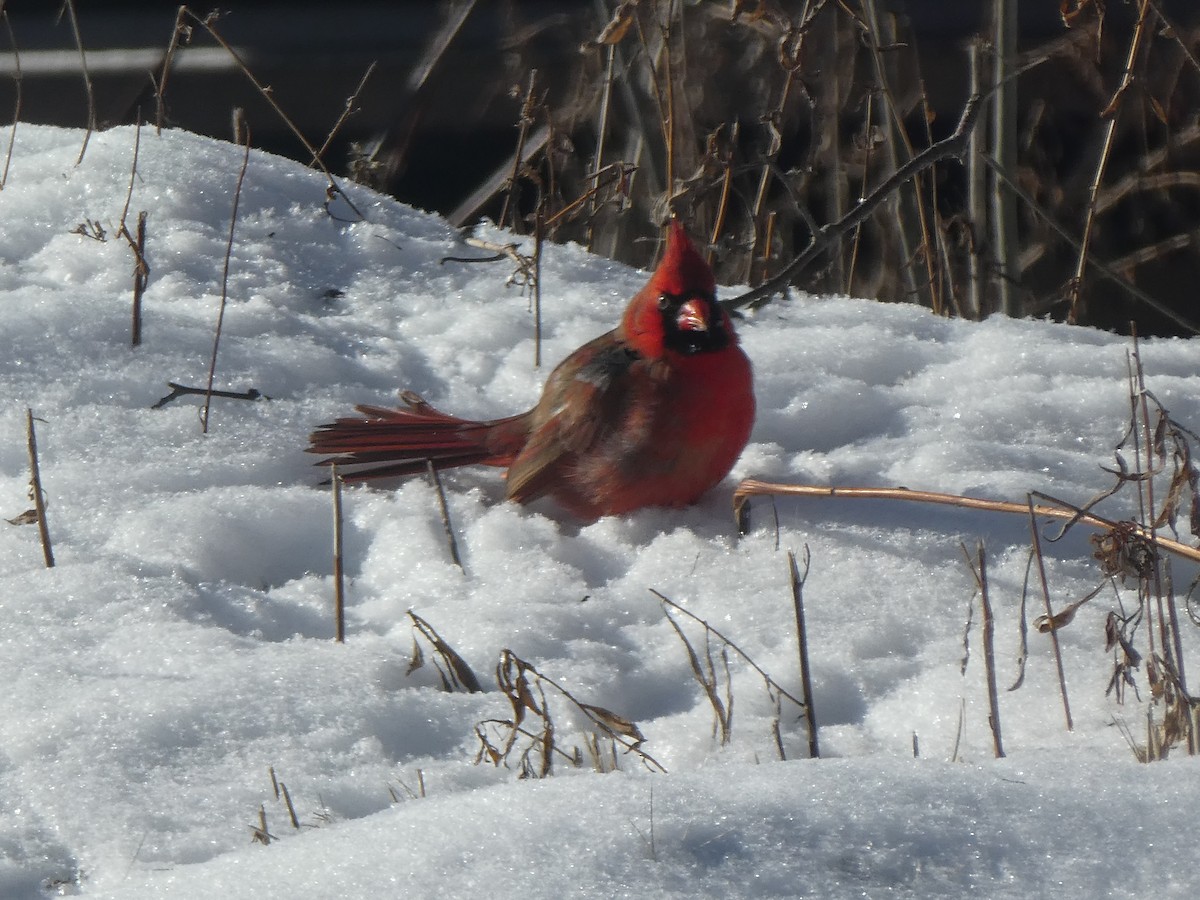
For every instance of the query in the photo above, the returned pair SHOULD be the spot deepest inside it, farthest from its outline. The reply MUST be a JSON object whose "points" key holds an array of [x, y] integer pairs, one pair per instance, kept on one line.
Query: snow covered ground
{"points": [[181, 648]]}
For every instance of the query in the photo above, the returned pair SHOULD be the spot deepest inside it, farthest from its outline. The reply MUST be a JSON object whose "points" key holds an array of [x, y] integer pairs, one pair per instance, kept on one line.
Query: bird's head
{"points": [[677, 311]]}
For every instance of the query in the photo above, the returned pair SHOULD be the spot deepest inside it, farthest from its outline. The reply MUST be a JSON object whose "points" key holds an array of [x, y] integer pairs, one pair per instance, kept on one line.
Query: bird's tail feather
{"points": [[406, 440]]}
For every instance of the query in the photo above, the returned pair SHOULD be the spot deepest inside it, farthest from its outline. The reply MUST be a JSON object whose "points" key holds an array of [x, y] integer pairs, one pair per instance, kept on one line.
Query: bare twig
{"points": [[458, 675], [1053, 632], [208, 23], [1112, 113], [751, 487], [69, 7], [180, 30], [527, 119], [1105, 269], [346, 113], [244, 133], [797, 579], [181, 390], [141, 269], [451, 543], [979, 571], [339, 569], [141, 275], [35, 487], [955, 145], [12, 134]]}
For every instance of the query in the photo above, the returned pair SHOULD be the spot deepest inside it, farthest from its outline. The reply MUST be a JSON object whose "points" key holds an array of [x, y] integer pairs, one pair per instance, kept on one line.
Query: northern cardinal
{"points": [[653, 413]]}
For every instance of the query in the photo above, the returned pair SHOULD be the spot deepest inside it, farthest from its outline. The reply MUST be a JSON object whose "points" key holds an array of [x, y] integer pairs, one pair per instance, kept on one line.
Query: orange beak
{"points": [[693, 316]]}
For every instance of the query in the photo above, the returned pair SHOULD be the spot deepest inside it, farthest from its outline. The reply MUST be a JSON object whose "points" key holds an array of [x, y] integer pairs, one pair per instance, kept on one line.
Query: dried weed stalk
{"points": [[719, 689], [452, 669], [1155, 459], [533, 726]]}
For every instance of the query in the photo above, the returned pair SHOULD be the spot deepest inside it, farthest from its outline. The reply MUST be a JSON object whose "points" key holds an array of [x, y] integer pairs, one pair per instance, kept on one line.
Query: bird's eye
{"points": [[664, 301]]}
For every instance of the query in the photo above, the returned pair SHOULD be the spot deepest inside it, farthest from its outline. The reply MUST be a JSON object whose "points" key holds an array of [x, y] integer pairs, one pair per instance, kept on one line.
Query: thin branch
{"points": [[1053, 632], [35, 486], [1113, 113], [12, 134], [451, 543], [955, 145], [244, 130], [1105, 269], [732, 646], [979, 571], [797, 579], [339, 570], [141, 269], [69, 7], [751, 488], [182, 390], [346, 113], [269, 96]]}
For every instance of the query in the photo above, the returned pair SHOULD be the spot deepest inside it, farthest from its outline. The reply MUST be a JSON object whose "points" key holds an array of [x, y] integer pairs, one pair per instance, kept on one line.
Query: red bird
{"points": [[653, 413]]}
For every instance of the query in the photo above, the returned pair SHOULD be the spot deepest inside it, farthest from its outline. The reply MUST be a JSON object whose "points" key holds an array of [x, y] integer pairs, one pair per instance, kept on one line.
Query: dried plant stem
{"points": [[244, 130], [953, 145], [797, 579], [977, 195], [346, 113], [339, 568], [35, 486], [1172, 30], [141, 269], [12, 133], [168, 63], [141, 275], [1004, 142], [287, 799], [1108, 270], [1112, 113], [751, 487], [527, 106], [894, 123], [207, 23], [69, 7], [1053, 632], [451, 543], [979, 571], [868, 128], [732, 646], [601, 135], [538, 241]]}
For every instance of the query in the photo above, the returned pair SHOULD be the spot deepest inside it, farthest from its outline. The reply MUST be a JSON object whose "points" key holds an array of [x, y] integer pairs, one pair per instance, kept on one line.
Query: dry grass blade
{"points": [[17, 79], [339, 569], [208, 23], [458, 675], [706, 677], [797, 578], [1144, 24], [955, 145], [444, 510], [979, 571], [35, 488], [705, 672], [69, 8], [1037, 549], [244, 134], [524, 686]]}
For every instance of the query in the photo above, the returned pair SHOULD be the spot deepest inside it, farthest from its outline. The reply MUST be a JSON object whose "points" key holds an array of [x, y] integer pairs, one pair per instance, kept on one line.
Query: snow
{"points": [[181, 648]]}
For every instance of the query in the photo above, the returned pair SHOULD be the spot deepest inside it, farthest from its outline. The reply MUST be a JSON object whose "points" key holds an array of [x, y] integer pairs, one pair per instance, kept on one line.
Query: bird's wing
{"points": [[585, 397]]}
